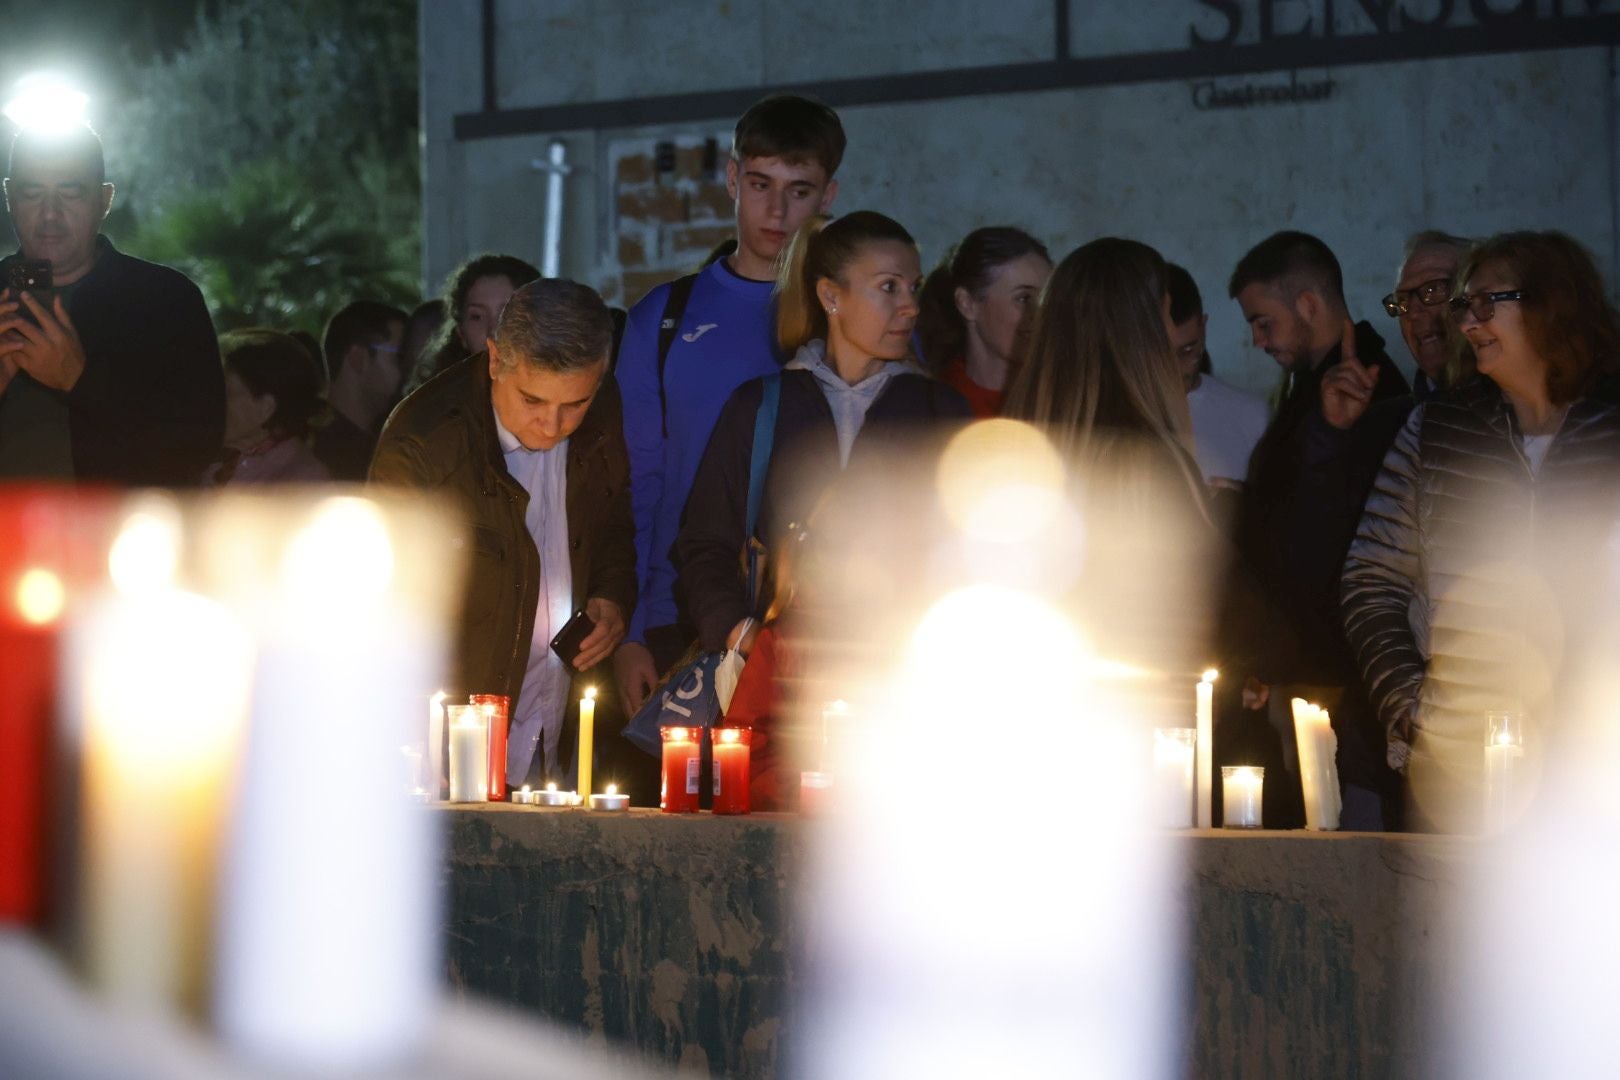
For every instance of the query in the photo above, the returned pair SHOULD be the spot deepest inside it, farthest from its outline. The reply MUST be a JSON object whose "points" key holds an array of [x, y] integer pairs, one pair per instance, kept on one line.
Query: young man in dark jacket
{"points": [[111, 373], [1291, 291], [526, 439]]}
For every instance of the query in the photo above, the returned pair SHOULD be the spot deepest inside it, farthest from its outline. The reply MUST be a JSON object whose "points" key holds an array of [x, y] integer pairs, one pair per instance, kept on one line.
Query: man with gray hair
{"points": [[527, 438]]}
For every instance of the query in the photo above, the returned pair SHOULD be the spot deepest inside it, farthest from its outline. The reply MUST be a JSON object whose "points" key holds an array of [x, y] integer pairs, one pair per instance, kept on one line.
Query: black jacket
{"points": [[150, 406], [804, 463], [442, 439], [1467, 571]]}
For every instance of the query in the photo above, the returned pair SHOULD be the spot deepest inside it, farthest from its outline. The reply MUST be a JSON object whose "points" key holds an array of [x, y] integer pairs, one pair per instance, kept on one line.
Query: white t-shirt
{"points": [[1226, 425], [1535, 451]]}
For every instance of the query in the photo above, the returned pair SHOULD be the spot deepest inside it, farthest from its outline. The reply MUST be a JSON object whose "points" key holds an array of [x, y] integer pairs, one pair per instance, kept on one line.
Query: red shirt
{"points": [[984, 403]]}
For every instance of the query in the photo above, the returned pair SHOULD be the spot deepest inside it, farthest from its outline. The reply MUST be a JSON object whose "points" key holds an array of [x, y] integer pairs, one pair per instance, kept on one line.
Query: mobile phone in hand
{"points": [[30, 275], [566, 643]]}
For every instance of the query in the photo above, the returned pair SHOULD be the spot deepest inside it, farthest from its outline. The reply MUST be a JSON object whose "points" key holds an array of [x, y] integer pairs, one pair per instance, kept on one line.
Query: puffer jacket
{"points": [[1468, 571]]}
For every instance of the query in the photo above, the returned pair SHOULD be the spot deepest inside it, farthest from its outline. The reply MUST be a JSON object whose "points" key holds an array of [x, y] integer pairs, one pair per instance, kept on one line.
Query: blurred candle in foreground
{"points": [[587, 739], [1241, 789], [1206, 748], [1318, 764], [1174, 750], [329, 939], [731, 754], [682, 765], [159, 678], [1504, 758], [469, 754]]}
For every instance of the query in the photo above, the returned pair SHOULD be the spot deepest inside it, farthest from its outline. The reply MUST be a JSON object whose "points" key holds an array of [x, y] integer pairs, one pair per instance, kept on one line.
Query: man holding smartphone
{"points": [[109, 368], [527, 438]]}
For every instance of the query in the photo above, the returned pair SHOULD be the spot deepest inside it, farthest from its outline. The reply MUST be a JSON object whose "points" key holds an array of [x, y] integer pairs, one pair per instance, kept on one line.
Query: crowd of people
{"points": [[1406, 554]]}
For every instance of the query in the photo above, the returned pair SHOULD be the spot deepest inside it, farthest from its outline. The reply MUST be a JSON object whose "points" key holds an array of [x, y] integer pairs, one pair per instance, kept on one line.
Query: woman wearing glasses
{"points": [[1465, 577]]}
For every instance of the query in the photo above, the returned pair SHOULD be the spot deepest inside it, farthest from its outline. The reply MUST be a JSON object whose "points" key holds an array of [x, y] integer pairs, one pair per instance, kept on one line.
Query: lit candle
{"points": [[1242, 786], [317, 976], [1206, 748], [523, 796], [1174, 752], [28, 619], [158, 679], [731, 752], [435, 747], [552, 797], [1504, 752], [1318, 766], [469, 754], [587, 736], [496, 718], [682, 765], [610, 800], [815, 793]]}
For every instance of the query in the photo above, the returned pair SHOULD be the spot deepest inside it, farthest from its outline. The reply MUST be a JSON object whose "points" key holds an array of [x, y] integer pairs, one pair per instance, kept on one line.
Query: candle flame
{"points": [[524, 790], [551, 786], [40, 597], [590, 693], [1211, 675], [729, 734], [613, 789], [679, 734], [438, 699], [840, 707]]}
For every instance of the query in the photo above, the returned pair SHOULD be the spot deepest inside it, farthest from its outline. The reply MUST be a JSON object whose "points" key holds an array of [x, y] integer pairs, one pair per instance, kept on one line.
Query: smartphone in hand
{"points": [[566, 643]]}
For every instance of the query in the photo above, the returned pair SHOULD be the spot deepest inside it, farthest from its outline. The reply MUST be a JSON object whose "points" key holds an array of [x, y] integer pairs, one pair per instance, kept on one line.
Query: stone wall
{"points": [[1310, 954]]}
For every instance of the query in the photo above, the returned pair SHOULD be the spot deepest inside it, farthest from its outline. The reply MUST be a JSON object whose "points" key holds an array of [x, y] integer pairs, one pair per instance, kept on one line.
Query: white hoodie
{"points": [[848, 403]]}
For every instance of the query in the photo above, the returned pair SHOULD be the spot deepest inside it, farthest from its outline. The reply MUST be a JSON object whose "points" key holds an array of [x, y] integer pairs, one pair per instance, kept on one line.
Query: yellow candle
{"points": [[1206, 748], [587, 734]]}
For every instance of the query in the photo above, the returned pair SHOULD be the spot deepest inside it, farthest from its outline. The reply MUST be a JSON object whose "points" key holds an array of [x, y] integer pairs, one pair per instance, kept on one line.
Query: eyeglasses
{"points": [[1428, 294], [1482, 304]]}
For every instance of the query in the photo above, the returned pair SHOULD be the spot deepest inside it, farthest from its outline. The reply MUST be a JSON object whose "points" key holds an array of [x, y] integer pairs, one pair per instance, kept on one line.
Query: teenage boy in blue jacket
{"points": [[783, 156]]}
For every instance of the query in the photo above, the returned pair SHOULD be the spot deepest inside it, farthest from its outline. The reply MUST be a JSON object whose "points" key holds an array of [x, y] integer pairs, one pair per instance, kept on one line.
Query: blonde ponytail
{"points": [[799, 318]]}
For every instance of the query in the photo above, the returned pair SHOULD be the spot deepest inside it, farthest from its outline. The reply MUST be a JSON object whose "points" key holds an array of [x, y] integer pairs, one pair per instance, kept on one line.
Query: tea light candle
{"points": [[469, 755], [1174, 751], [523, 796], [610, 800], [552, 797], [682, 765], [1206, 748], [1504, 752], [731, 753], [1242, 786], [587, 735]]}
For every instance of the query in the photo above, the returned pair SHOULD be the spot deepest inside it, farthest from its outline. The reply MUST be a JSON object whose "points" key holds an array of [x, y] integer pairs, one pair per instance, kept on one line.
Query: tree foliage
{"points": [[274, 158]]}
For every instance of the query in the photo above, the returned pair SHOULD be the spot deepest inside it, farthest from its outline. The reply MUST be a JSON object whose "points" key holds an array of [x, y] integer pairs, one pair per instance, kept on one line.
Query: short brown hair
{"points": [[1567, 315], [555, 325], [795, 129]]}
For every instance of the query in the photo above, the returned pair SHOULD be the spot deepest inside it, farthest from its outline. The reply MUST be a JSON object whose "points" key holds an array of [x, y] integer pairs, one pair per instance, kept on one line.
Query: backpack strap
{"points": [[759, 460], [680, 291], [764, 438]]}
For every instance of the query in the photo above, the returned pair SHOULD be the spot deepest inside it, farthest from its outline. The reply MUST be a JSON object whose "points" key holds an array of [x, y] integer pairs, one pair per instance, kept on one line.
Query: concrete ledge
{"points": [[1313, 954]]}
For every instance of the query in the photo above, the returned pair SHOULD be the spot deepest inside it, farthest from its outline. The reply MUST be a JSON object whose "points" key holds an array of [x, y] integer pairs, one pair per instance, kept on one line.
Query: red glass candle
{"points": [[498, 709], [51, 542], [683, 766], [731, 750]]}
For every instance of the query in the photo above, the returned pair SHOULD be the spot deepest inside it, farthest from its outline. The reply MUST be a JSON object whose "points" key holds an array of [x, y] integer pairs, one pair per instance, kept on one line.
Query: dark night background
{"points": [[266, 147]]}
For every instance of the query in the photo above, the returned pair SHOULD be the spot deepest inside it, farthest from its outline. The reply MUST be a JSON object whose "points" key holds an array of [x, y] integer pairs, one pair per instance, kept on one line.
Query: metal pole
{"points": [[555, 167]]}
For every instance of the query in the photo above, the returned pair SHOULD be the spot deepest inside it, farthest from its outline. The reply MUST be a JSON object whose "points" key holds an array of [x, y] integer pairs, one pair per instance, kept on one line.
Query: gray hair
{"points": [[1432, 238], [556, 325]]}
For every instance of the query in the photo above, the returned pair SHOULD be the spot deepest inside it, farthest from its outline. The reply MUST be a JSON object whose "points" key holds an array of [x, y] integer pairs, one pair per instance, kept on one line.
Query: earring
{"points": [[832, 309]]}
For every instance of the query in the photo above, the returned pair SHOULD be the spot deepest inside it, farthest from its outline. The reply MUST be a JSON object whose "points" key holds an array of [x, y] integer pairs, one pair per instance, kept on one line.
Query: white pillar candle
{"points": [[1174, 751], [469, 754], [1242, 786], [157, 682], [329, 958], [1504, 757], [1318, 764], [435, 747], [1206, 748]]}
